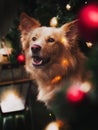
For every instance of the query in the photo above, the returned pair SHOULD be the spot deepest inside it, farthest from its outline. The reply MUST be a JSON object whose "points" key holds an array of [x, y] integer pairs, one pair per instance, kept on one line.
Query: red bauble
{"points": [[74, 94], [88, 22], [21, 58]]}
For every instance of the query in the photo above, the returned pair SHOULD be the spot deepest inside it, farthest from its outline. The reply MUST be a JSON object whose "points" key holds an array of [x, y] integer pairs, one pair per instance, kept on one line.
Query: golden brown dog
{"points": [[52, 55]]}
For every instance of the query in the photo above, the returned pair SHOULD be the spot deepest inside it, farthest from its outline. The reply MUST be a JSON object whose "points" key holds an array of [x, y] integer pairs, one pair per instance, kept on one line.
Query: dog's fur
{"points": [[60, 60]]}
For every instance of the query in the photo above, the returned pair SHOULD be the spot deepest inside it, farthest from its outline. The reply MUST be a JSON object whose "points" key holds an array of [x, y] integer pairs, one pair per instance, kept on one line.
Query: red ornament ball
{"points": [[88, 22], [74, 94], [21, 58]]}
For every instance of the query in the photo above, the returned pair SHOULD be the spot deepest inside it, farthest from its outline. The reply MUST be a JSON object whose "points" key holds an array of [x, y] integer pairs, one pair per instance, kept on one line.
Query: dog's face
{"points": [[49, 48], [44, 46]]}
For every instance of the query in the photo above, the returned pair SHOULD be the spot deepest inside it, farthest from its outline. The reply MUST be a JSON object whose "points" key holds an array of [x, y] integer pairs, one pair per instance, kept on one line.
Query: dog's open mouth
{"points": [[39, 61]]}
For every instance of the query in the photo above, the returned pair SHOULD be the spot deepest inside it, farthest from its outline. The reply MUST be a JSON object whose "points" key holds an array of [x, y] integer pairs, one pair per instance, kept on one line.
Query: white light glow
{"points": [[86, 2], [54, 22], [56, 125], [85, 87], [68, 7], [52, 126], [11, 102], [89, 44]]}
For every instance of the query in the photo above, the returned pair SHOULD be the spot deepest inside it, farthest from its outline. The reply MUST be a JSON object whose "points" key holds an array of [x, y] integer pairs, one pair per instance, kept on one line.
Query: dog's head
{"points": [[46, 46], [46, 43]]}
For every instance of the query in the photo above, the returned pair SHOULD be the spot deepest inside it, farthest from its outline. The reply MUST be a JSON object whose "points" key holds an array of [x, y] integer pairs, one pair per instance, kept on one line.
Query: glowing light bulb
{"points": [[52, 126], [11, 102], [85, 87], [86, 2], [55, 125], [54, 22], [56, 79], [63, 40], [65, 63], [89, 44], [68, 7]]}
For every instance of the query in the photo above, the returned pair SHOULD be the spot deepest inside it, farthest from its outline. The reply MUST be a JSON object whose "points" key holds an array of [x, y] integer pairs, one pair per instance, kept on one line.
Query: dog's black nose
{"points": [[35, 48]]}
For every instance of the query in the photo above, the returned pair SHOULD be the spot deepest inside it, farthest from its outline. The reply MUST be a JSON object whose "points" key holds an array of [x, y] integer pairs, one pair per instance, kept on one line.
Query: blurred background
{"points": [[75, 108]]}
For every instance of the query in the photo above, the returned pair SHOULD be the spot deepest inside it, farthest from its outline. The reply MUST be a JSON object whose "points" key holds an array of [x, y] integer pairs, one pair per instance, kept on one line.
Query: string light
{"points": [[63, 40], [52, 126], [85, 87], [50, 114], [54, 22], [86, 2], [89, 44], [68, 7], [56, 79], [65, 63], [55, 125]]}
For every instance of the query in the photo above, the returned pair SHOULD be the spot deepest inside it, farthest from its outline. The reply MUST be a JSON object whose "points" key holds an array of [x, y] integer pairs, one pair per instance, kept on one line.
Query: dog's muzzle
{"points": [[37, 60]]}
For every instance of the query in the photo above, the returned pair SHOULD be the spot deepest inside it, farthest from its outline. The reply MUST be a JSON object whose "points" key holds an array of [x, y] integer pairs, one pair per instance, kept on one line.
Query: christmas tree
{"points": [[74, 108]]}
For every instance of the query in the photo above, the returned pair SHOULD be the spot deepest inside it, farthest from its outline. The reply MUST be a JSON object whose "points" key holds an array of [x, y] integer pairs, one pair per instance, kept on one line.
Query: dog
{"points": [[52, 55]]}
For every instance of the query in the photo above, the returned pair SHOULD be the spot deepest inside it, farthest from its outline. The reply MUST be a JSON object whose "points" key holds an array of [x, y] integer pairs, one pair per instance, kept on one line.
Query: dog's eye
{"points": [[34, 38], [51, 40]]}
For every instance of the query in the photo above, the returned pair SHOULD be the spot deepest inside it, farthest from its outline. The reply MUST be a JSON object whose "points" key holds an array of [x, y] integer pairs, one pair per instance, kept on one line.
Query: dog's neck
{"points": [[48, 77], [48, 90]]}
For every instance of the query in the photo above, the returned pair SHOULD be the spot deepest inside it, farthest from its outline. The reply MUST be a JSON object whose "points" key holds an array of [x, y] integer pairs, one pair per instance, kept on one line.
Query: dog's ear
{"points": [[71, 31], [27, 23]]}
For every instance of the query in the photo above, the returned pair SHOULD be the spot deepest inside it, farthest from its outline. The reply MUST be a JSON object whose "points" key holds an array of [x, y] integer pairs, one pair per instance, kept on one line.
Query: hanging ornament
{"points": [[21, 58], [75, 94], [88, 22], [54, 22]]}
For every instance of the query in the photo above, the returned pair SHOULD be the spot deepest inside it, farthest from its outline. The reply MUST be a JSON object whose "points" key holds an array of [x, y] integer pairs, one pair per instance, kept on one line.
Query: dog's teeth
{"points": [[35, 62], [39, 61]]}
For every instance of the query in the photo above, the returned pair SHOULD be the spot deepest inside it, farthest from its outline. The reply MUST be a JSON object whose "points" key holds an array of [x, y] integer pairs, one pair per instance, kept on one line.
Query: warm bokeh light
{"points": [[65, 62], [54, 22], [50, 114], [89, 44], [11, 102], [68, 7], [52, 126], [85, 87], [55, 125], [56, 79], [64, 40]]}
